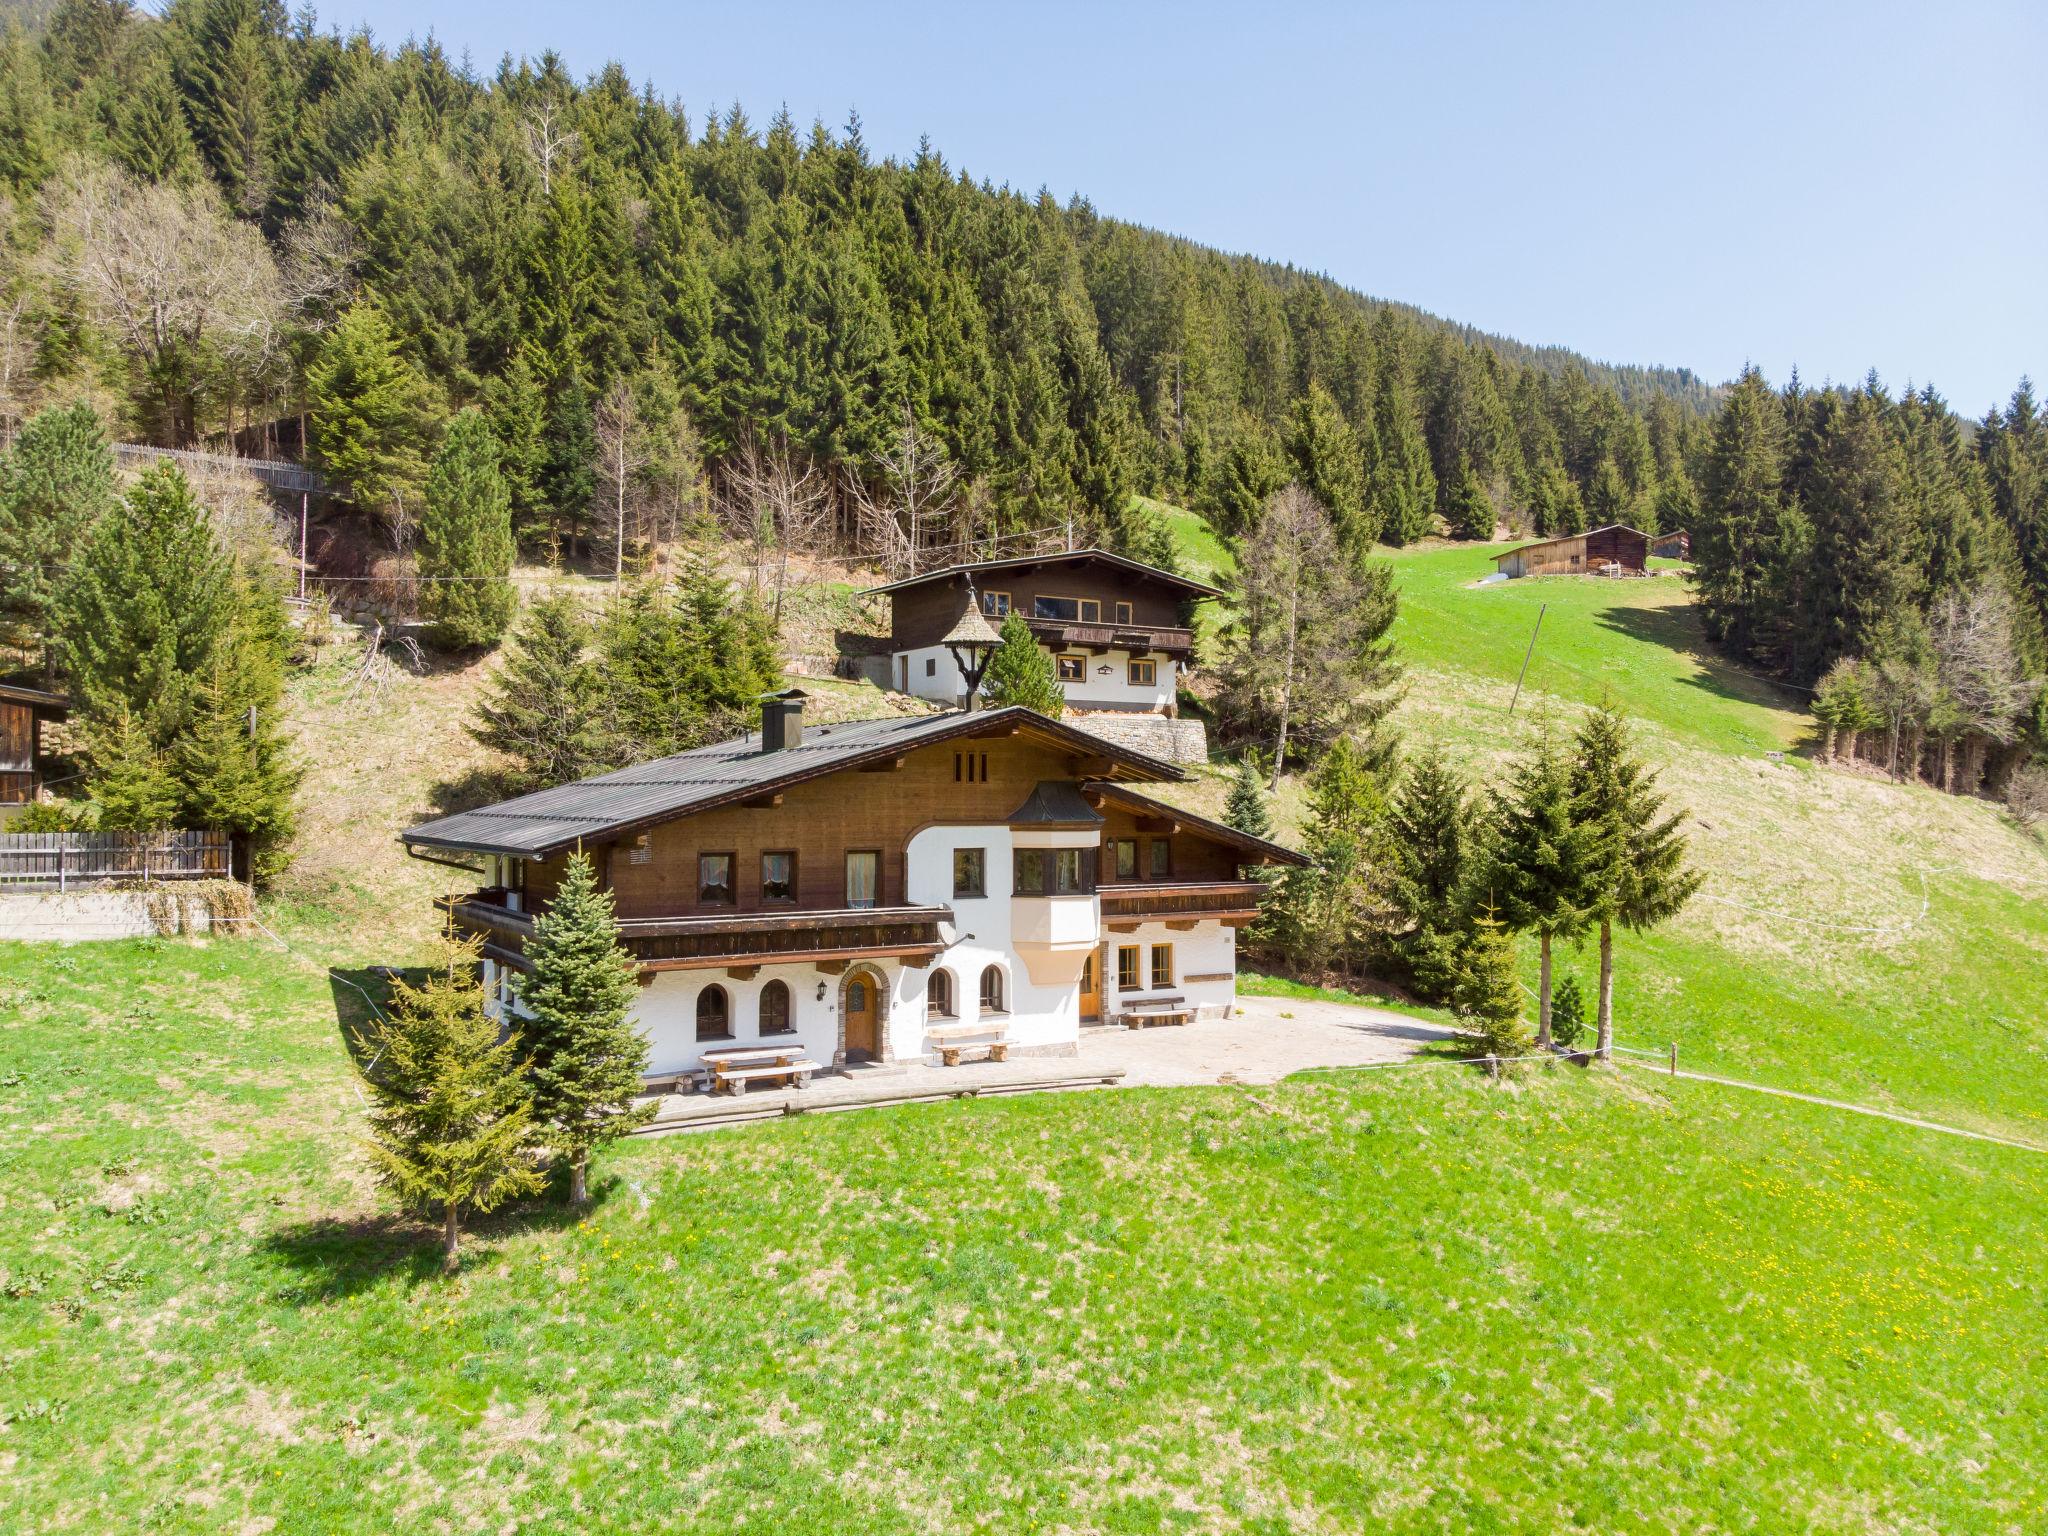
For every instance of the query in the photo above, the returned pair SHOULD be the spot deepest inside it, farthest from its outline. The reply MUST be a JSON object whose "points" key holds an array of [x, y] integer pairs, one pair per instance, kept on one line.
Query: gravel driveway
{"points": [[1267, 1039]]}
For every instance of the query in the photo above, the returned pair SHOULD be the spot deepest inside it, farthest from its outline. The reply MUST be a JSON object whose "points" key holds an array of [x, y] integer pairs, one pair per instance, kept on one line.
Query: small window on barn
{"points": [[775, 1009], [714, 1014], [931, 666]]}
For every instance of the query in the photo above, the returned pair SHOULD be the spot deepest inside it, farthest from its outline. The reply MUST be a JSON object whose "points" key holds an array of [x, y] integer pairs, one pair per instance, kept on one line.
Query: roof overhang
{"points": [[51, 706], [1258, 848]]}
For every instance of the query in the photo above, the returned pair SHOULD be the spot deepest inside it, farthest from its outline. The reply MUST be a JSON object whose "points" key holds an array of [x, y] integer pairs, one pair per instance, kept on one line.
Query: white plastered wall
{"points": [[1039, 1018], [1207, 949], [1101, 690]]}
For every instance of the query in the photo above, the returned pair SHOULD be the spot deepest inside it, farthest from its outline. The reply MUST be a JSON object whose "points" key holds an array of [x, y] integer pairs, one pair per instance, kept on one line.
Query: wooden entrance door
{"points": [[1091, 990], [863, 1017]]}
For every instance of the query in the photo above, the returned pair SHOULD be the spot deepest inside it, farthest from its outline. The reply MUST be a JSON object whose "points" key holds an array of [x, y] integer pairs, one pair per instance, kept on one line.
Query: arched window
{"points": [[938, 996], [714, 1015], [992, 990], [775, 1009]]}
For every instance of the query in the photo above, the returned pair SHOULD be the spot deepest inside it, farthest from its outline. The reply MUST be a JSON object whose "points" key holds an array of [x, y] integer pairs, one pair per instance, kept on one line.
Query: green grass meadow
{"points": [[1409, 1301]]}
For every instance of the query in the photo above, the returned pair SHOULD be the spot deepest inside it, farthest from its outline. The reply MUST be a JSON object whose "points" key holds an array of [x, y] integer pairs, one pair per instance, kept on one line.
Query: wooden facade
{"points": [[1579, 554], [22, 712], [922, 612]]}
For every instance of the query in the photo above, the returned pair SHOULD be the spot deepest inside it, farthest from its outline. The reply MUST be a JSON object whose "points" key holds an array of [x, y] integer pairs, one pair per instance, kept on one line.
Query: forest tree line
{"points": [[226, 224], [1883, 553]]}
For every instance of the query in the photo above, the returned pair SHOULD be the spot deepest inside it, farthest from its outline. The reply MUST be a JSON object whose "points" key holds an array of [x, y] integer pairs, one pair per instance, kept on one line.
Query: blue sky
{"points": [[1832, 186]]}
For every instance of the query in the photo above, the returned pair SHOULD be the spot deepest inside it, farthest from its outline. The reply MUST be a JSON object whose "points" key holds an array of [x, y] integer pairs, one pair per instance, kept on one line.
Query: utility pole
{"points": [[1525, 658], [303, 498]]}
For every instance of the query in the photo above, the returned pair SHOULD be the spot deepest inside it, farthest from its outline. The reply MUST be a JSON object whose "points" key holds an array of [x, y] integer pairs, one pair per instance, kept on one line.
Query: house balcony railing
{"points": [[1177, 902], [737, 939], [1137, 638]]}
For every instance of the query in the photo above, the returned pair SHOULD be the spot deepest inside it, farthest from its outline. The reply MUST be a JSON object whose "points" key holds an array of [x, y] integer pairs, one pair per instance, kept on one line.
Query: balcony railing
{"points": [[1233, 901], [1105, 637], [731, 939]]}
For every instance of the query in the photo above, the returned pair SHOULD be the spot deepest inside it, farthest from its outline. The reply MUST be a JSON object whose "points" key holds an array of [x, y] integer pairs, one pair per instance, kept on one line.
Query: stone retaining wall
{"points": [[46, 916], [1176, 741]]}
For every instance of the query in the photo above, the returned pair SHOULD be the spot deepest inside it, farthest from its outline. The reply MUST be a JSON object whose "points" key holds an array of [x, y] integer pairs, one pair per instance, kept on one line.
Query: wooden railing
{"points": [[1141, 901], [1128, 637], [61, 860], [742, 938]]}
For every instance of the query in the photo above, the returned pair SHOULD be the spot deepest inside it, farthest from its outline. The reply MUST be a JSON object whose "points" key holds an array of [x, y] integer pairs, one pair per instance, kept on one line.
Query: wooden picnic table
{"points": [[734, 1065]]}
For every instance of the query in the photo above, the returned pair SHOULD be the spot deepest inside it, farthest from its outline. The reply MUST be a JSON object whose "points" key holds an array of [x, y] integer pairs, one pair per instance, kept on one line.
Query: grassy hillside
{"points": [[1411, 1302], [1882, 942]]}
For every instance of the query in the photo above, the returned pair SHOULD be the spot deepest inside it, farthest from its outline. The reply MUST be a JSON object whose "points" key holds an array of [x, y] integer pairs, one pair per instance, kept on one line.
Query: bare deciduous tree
{"points": [[548, 140], [621, 459], [177, 281], [778, 502], [1983, 689], [919, 482]]}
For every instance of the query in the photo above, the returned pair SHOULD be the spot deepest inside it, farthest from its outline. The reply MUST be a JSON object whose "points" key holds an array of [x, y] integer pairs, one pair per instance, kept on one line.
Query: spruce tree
{"points": [[588, 1058], [1567, 1013], [55, 486], [1246, 808], [646, 656], [1022, 672], [568, 477], [544, 708], [1537, 858], [1319, 916], [1487, 994], [365, 409], [465, 550], [149, 135], [146, 604], [517, 407], [1426, 845], [1471, 514], [452, 1111], [1636, 873], [132, 785], [1328, 463]]}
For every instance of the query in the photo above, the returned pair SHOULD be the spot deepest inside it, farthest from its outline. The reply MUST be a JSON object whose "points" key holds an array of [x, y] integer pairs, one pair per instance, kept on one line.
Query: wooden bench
{"points": [[731, 1066], [1156, 1010], [952, 1039]]}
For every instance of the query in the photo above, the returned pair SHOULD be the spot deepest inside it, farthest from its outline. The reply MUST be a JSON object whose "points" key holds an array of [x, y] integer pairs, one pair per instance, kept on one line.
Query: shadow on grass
{"points": [[1676, 629], [335, 1257], [360, 993], [469, 789]]}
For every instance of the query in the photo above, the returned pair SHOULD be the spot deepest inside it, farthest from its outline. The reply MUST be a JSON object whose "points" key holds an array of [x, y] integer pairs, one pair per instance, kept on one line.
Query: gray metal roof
{"points": [[551, 820], [1055, 557], [1055, 803]]}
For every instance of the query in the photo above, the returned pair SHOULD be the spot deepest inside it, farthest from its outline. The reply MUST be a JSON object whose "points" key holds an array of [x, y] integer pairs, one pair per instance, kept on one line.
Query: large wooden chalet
{"points": [[1117, 629], [852, 887]]}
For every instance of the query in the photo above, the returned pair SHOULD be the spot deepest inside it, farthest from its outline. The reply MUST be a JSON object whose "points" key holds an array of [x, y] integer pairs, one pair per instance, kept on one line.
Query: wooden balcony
{"points": [[733, 940], [1179, 903], [1139, 639]]}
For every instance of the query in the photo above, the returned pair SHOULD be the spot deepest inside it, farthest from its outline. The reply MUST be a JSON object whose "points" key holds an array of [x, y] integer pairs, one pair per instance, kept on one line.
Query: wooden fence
{"points": [[62, 861]]}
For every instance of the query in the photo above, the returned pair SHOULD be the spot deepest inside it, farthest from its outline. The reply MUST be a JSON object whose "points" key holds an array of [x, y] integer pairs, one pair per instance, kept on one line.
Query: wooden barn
{"points": [[22, 712], [1611, 550], [1675, 545]]}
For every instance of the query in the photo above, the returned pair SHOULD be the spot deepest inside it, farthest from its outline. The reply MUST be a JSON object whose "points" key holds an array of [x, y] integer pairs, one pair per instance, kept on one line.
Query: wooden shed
{"points": [[1613, 547], [22, 711], [1675, 545]]}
